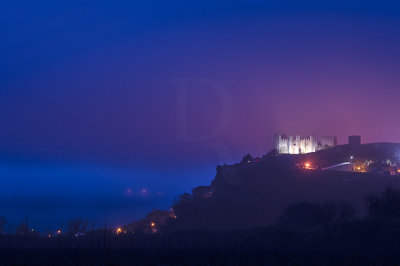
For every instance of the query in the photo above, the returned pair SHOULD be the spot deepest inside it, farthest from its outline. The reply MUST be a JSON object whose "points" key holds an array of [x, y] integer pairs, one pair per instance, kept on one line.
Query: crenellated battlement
{"points": [[297, 144]]}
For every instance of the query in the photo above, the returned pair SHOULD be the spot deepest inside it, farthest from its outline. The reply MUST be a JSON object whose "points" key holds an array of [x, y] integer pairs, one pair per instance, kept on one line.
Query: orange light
{"points": [[307, 165], [59, 232], [153, 224], [119, 230]]}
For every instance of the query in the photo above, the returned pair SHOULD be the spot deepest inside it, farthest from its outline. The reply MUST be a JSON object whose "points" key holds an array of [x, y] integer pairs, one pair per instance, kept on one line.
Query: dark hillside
{"points": [[256, 191]]}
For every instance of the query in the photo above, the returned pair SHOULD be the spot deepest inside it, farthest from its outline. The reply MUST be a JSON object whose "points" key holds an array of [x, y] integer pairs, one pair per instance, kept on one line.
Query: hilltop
{"points": [[380, 151], [256, 191]]}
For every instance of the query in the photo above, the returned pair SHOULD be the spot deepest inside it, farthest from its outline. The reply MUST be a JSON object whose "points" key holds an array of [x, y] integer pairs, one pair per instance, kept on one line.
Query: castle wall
{"points": [[299, 144], [327, 142]]}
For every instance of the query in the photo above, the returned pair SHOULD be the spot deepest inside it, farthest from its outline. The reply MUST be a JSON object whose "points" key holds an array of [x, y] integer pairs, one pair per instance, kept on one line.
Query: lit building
{"points": [[302, 144]]}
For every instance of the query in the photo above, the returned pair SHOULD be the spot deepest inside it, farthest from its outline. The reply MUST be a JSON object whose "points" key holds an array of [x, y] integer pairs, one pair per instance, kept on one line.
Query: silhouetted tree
{"points": [[337, 212], [202, 192], [327, 214], [247, 158], [183, 198], [78, 225], [384, 205], [271, 153]]}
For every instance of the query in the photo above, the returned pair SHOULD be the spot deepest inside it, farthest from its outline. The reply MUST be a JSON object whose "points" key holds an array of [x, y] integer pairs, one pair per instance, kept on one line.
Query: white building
{"points": [[302, 144]]}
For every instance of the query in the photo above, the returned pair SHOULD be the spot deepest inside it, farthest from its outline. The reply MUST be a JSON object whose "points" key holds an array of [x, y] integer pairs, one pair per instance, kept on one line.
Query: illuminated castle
{"points": [[302, 144]]}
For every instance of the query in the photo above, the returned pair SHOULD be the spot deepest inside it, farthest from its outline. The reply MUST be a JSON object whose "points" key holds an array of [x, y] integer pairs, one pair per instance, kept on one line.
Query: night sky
{"points": [[114, 108]]}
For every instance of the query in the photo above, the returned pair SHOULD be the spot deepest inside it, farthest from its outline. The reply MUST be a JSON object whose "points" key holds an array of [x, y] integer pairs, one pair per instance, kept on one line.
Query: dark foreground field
{"points": [[211, 257], [324, 233]]}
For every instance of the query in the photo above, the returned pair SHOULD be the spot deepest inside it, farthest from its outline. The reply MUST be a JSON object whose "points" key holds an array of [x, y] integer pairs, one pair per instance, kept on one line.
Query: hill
{"points": [[256, 191], [381, 151]]}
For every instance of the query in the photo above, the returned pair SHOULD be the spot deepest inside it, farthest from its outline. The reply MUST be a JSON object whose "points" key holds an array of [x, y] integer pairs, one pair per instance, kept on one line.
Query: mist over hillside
{"points": [[256, 191]]}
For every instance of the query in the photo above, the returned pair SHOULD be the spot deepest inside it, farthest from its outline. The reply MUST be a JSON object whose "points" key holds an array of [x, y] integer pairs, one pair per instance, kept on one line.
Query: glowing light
{"points": [[119, 230], [358, 168], [59, 232], [49, 236], [153, 224]]}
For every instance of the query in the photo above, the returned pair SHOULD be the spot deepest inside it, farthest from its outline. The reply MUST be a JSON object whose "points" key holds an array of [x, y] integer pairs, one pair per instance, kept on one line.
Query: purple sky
{"points": [[96, 85]]}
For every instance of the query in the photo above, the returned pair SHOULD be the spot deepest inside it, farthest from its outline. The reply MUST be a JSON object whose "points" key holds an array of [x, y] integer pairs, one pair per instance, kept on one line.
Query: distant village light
{"points": [[119, 230], [153, 224]]}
